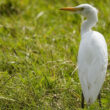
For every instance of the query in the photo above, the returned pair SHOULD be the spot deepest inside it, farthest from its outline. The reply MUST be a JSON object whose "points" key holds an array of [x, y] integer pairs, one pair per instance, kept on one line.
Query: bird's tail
{"points": [[91, 94]]}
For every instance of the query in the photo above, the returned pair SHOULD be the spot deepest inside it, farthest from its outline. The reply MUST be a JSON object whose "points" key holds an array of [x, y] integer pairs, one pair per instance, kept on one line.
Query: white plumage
{"points": [[92, 56], [92, 64]]}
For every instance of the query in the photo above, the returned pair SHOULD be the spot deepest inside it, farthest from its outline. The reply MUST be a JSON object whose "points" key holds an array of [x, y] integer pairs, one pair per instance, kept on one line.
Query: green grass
{"points": [[38, 53]]}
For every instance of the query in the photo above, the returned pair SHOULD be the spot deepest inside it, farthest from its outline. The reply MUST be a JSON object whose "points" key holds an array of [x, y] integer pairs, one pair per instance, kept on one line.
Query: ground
{"points": [[38, 54]]}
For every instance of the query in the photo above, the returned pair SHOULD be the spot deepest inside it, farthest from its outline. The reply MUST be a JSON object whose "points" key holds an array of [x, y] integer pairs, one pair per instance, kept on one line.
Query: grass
{"points": [[38, 54]]}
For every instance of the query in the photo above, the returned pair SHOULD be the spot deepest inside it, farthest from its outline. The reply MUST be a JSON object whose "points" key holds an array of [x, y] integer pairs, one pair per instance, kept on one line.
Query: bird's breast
{"points": [[92, 47]]}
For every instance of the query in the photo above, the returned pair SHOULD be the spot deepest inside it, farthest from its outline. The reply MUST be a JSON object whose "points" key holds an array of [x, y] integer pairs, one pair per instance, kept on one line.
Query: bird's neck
{"points": [[88, 23]]}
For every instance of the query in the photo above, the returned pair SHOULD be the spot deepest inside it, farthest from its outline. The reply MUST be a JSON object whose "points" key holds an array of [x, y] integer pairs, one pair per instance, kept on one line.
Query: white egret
{"points": [[92, 56]]}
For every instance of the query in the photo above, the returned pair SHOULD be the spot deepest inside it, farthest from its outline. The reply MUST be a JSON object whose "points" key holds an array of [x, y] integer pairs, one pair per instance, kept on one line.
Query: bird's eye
{"points": [[82, 9]]}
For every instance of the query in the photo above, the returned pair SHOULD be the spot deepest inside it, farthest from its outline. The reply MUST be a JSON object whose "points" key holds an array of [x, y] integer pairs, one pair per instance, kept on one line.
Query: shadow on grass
{"points": [[9, 8]]}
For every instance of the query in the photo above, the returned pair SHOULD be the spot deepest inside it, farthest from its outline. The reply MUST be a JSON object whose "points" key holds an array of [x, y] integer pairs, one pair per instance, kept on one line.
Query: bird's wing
{"points": [[92, 65]]}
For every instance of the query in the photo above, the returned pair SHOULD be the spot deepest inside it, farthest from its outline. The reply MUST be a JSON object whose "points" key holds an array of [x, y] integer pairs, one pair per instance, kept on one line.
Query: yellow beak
{"points": [[71, 9]]}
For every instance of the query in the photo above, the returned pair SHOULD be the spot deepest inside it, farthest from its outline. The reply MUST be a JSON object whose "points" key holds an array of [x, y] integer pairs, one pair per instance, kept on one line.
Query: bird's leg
{"points": [[99, 98], [82, 103]]}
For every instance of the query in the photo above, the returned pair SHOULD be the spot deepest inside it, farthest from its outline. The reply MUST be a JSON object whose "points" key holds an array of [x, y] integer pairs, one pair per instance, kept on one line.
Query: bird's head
{"points": [[84, 9]]}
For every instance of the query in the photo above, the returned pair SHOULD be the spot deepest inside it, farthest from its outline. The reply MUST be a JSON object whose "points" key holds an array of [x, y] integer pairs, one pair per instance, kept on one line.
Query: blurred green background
{"points": [[38, 54]]}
